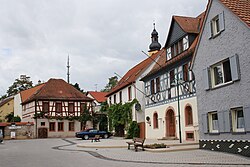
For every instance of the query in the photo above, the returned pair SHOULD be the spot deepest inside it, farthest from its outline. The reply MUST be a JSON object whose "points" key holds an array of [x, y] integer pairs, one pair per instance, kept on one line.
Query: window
{"points": [[185, 43], [213, 122], [188, 116], [129, 93], [180, 46], [190, 136], [221, 73], [71, 107], [217, 25], [155, 118], [58, 107], [114, 98], [110, 100], [71, 126], [42, 123], [152, 86], [52, 126], [60, 126], [45, 107], [185, 72], [83, 107], [120, 95], [158, 87], [238, 123], [169, 56], [172, 78]]}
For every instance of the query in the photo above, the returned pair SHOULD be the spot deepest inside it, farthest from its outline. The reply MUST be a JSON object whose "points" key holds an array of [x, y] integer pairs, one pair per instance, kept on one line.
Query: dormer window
{"points": [[177, 48]]}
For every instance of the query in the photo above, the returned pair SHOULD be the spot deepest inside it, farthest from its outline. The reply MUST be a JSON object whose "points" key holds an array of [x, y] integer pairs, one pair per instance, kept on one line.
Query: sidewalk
{"points": [[116, 142], [178, 154]]}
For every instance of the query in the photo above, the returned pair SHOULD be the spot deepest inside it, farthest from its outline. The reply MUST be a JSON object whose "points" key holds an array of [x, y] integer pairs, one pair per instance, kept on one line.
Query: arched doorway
{"points": [[170, 123]]}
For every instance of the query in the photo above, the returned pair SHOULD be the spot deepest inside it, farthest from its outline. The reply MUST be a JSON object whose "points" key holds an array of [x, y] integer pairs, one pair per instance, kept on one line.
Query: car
{"points": [[90, 133], [1, 136]]}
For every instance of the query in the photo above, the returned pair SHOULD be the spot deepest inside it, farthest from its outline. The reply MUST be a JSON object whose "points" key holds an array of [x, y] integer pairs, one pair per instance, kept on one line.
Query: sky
{"points": [[101, 37]]}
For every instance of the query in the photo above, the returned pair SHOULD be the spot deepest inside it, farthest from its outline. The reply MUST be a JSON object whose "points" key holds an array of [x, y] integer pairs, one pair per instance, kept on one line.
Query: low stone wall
{"points": [[19, 130], [241, 147]]}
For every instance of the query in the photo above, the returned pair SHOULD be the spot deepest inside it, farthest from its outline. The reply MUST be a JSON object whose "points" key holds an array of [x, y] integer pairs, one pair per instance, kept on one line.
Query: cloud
{"points": [[101, 37]]}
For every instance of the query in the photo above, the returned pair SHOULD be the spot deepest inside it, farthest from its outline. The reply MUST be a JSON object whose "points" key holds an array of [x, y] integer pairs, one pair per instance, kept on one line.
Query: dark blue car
{"points": [[90, 133]]}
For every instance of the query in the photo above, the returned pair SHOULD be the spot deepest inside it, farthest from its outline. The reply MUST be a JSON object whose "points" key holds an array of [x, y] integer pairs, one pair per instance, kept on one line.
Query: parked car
{"points": [[1, 136], [89, 133]]}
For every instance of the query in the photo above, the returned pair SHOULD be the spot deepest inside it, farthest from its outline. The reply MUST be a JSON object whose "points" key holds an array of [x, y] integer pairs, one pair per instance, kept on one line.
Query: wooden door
{"points": [[42, 133], [170, 123]]}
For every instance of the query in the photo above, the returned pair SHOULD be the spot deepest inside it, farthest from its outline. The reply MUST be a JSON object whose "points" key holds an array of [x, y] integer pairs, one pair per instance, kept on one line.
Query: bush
{"points": [[134, 130], [156, 145]]}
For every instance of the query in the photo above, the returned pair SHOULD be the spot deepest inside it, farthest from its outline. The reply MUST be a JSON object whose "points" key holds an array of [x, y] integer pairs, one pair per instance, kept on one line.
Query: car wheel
{"points": [[106, 136], [86, 137]]}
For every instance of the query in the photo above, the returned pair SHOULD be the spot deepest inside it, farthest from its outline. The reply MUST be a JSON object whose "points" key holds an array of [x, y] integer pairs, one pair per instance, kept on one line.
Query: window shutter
{"points": [[235, 68], [246, 114], [210, 31], [227, 121], [206, 78], [204, 123], [222, 21], [221, 121]]}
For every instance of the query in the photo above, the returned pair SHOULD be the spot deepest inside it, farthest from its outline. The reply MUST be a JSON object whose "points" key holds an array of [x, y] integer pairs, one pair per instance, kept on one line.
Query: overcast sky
{"points": [[100, 36]]}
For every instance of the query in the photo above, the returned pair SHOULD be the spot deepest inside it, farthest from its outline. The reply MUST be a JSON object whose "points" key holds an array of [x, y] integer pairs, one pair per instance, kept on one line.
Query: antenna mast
{"points": [[68, 69]]}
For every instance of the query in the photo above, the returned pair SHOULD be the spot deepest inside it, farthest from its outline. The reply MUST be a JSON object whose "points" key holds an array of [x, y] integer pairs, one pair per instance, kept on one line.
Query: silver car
{"points": [[1, 136]]}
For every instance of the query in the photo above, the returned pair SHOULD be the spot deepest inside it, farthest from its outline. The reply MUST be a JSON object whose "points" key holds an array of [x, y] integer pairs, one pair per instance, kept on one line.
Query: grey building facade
{"points": [[222, 70]]}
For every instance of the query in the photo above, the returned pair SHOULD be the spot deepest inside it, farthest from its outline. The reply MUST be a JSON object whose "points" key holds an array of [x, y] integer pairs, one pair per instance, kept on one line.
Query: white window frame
{"points": [[235, 120], [185, 43], [169, 54], [215, 25], [211, 123], [212, 68]]}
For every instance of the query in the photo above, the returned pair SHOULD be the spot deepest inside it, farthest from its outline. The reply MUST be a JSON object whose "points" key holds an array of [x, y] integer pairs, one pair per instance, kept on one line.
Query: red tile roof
{"points": [[29, 92], [188, 24], [98, 96], [134, 73], [57, 89], [16, 123], [241, 8]]}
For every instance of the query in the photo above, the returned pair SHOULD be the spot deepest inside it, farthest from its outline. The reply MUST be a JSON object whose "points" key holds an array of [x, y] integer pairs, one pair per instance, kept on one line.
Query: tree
{"points": [[11, 118], [77, 86], [112, 83], [19, 85]]}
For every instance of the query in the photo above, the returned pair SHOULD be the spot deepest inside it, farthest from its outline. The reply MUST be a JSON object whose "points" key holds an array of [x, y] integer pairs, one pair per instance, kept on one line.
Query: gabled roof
{"points": [[29, 92], [57, 89], [98, 96], [188, 24], [6, 100], [135, 72], [240, 8], [162, 62]]}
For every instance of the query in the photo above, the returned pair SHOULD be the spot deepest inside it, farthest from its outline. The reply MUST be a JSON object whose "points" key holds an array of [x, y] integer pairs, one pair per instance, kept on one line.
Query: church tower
{"points": [[155, 46]]}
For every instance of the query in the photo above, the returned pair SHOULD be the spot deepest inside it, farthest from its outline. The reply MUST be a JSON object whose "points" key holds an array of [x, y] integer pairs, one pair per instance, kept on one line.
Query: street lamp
{"points": [[178, 105]]}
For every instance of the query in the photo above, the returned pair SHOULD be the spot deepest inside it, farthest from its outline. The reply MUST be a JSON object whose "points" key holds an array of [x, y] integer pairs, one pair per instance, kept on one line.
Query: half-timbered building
{"points": [[55, 107], [170, 88]]}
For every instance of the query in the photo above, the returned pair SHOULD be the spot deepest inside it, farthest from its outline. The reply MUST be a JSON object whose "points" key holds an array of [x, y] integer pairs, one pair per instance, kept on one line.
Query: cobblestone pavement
{"points": [[65, 153], [191, 157]]}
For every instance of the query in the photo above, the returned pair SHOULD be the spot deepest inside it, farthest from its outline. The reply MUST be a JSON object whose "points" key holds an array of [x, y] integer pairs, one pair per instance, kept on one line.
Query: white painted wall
{"points": [[159, 133], [17, 105]]}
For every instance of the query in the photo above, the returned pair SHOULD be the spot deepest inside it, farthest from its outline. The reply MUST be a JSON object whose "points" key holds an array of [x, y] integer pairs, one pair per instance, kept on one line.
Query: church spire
{"points": [[68, 69], [155, 45]]}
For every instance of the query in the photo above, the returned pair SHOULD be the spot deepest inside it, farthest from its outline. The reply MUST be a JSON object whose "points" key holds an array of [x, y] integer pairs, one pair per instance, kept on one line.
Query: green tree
{"points": [[11, 118], [85, 116], [77, 86], [112, 83], [19, 85]]}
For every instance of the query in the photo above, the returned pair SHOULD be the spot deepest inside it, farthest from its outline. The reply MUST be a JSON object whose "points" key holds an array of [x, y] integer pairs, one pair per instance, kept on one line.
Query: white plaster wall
{"points": [[159, 133], [17, 105]]}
